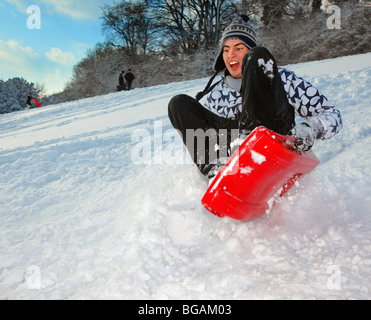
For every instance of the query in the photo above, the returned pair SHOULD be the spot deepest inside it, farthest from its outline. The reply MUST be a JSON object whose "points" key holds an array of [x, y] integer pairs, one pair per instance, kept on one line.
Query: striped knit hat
{"points": [[239, 29]]}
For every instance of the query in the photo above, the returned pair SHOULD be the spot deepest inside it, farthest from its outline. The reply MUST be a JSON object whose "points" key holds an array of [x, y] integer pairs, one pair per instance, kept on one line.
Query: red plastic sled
{"points": [[37, 102], [264, 167]]}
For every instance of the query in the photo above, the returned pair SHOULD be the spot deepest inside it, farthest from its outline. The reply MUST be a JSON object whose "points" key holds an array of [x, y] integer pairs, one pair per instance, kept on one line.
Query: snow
{"points": [[87, 213], [257, 157], [267, 67]]}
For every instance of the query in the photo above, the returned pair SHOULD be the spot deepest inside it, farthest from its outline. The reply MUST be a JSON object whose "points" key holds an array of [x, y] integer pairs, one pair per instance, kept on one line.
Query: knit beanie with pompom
{"points": [[239, 29]]}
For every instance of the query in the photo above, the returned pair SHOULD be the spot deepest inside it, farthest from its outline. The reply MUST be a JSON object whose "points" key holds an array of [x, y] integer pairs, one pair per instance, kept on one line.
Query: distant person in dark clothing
{"points": [[29, 100], [129, 77], [121, 85]]}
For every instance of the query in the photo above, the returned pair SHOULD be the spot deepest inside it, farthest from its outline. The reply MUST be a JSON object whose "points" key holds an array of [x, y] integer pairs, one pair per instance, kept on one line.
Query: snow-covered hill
{"points": [[87, 212]]}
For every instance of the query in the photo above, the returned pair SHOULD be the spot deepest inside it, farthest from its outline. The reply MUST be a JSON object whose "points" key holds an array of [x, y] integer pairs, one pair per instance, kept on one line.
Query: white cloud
{"points": [[86, 10], [55, 80], [21, 5], [19, 61], [14, 57], [58, 56], [75, 9]]}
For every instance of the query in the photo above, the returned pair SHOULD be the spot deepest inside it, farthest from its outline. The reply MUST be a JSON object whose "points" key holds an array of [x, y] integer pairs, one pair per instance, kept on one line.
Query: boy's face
{"points": [[233, 53]]}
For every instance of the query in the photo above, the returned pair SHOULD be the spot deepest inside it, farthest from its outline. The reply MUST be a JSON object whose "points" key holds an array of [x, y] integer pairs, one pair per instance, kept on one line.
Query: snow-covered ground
{"points": [[86, 211]]}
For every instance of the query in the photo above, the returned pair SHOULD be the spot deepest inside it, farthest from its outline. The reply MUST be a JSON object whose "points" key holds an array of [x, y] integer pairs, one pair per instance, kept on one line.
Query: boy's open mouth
{"points": [[234, 65]]}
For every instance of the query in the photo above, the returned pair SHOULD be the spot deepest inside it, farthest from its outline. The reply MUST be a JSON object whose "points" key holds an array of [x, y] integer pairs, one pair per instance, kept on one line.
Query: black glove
{"points": [[304, 135]]}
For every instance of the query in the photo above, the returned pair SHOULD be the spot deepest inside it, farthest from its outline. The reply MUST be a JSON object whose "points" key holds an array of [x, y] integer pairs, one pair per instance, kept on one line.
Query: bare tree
{"points": [[126, 24], [316, 5], [273, 10], [192, 24]]}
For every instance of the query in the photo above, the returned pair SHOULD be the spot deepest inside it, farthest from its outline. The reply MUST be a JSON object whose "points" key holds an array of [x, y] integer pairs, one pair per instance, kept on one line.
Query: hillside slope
{"points": [[87, 212]]}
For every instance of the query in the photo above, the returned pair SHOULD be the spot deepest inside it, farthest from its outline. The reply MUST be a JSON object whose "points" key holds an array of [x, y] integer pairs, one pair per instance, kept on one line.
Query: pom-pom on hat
{"points": [[239, 29]]}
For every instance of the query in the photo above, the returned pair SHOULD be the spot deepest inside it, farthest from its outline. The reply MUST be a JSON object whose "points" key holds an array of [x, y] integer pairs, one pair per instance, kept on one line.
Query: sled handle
{"points": [[287, 141]]}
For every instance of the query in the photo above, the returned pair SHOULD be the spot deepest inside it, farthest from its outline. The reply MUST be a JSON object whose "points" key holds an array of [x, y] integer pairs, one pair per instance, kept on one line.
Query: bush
{"points": [[308, 38], [13, 94]]}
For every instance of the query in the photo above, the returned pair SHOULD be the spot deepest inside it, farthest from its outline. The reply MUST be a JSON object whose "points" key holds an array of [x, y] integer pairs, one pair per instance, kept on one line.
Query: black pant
{"points": [[264, 103]]}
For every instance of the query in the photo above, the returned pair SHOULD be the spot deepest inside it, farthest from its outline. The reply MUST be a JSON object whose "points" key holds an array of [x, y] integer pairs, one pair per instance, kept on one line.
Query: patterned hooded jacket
{"points": [[225, 101]]}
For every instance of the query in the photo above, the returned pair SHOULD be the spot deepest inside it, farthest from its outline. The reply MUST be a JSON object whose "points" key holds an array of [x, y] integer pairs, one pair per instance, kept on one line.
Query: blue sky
{"points": [[68, 28]]}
